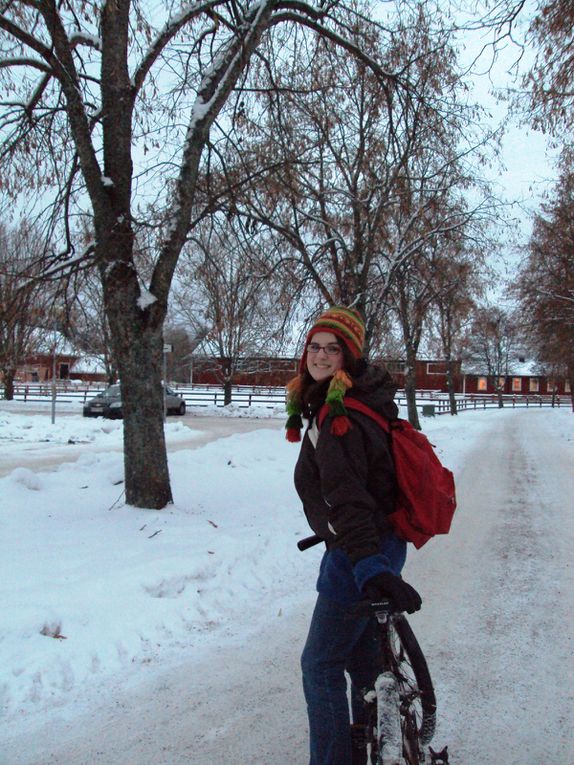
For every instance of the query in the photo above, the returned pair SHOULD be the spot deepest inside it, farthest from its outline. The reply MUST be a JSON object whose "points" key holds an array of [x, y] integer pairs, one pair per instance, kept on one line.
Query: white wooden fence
{"points": [[429, 402]]}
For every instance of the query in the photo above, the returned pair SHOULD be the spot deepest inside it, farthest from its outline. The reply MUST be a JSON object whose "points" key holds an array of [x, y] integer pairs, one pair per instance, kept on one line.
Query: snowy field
{"points": [[132, 637]]}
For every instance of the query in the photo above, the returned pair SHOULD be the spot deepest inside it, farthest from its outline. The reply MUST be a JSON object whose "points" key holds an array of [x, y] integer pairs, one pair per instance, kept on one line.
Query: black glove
{"points": [[387, 585]]}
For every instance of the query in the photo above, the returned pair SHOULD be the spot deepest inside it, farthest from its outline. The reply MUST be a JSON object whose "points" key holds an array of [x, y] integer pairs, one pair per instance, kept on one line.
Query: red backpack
{"points": [[426, 498]]}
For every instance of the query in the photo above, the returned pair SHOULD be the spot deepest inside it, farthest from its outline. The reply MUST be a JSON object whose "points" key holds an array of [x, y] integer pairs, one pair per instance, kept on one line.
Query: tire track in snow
{"points": [[498, 639]]}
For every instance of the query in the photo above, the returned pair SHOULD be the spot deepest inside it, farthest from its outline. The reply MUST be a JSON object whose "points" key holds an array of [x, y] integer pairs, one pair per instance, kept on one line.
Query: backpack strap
{"points": [[358, 406]]}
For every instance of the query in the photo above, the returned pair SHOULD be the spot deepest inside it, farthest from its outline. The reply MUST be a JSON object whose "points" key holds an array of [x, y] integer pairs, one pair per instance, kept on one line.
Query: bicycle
{"points": [[401, 707]]}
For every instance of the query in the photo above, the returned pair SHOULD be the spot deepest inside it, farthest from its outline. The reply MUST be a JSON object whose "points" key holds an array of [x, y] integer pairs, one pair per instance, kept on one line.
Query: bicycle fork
{"points": [[390, 743]]}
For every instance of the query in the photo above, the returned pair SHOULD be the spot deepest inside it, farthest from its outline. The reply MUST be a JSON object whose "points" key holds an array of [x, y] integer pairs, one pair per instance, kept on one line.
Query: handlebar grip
{"points": [[305, 544], [368, 608]]}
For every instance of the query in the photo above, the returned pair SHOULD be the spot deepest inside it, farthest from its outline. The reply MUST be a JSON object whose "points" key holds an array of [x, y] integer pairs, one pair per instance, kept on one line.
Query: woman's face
{"points": [[321, 364]]}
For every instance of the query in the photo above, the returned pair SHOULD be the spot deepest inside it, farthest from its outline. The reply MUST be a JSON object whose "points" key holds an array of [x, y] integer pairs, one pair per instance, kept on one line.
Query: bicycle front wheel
{"points": [[416, 692]]}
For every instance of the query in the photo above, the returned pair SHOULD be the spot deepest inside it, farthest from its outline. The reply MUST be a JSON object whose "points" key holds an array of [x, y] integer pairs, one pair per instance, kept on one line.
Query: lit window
{"points": [[516, 384], [567, 386], [534, 385], [482, 384], [501, 381]]}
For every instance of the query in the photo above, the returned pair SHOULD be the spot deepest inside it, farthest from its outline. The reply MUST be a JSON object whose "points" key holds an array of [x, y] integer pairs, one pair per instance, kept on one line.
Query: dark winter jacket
{"points": [[347, 483]]}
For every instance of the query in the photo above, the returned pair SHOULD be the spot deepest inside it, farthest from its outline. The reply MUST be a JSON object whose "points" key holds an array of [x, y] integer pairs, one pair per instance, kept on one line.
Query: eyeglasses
{"points": [[331, 350]]}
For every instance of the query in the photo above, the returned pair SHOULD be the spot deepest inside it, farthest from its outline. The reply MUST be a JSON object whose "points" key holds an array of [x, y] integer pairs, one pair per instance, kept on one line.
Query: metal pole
{"points": [[164, 385], [167, 348], [54, 378]]}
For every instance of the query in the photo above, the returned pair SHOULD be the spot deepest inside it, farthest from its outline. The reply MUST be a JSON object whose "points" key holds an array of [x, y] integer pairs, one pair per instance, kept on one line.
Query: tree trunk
{"points": [[411, 389], [137, 339], [450, 386], [8, 377], [227, 391], [145, 457]]}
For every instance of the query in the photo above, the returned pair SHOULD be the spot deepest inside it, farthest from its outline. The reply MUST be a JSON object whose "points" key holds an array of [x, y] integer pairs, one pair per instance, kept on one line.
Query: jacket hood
{"points": [[375, 387]]}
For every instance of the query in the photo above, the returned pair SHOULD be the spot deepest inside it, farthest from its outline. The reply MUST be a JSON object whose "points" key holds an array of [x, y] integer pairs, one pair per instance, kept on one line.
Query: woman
{"points": [[345, 479]]}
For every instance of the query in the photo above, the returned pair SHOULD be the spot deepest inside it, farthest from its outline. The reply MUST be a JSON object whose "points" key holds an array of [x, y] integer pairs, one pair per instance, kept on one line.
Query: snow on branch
{"points": [[84, 39], [167, 33], [224, 69], [146, 299], [216, 84]]}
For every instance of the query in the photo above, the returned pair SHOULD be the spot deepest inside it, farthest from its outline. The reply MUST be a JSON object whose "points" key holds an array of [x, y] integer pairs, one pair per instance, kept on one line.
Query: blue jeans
{"points": [[337, 641]]}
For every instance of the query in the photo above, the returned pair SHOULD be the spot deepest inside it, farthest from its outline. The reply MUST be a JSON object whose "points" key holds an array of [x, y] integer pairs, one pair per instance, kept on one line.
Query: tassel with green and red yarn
{"points": [[294, 420], [340, 384], [338, 387]]}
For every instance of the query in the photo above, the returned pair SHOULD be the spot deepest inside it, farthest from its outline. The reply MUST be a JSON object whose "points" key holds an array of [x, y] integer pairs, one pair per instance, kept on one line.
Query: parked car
{"points": [[95, 407], [108, 403]]}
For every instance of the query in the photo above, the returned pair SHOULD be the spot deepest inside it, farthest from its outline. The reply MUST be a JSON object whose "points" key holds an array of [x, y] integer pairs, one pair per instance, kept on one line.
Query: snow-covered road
{"points": [[496, 626], [202, 430], [498, 623]]}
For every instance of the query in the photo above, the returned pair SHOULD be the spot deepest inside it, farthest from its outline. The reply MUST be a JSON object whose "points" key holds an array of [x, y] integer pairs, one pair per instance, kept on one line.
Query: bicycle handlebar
{"points": [[368, 607], [363, 607], [305, 544]]}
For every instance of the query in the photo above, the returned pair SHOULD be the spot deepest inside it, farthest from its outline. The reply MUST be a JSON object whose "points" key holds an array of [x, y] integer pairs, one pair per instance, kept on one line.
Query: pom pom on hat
{"points": [[294, 419], [340, 384], [294, 426]]}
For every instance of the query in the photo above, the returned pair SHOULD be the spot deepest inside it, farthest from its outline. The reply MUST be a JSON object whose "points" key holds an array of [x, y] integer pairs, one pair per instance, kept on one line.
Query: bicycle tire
{"points": [[416, 690]]}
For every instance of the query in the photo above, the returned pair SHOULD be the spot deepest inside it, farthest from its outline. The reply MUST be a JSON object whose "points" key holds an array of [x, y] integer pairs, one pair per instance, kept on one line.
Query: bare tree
{"points": [[24, 301], [87, 324], [353, 169], [244, 304], [431, 286], [492, 341], [106, 104], [546, 283], [460, 278], [550, 81], [453, 301]]}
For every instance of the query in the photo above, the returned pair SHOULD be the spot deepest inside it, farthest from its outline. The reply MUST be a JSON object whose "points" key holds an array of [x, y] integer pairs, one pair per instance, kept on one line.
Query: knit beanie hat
{"points": [[347, 325]]}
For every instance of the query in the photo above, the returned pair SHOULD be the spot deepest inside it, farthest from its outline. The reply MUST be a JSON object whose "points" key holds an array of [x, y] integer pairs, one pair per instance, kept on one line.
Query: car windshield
{"points": [[112, 392]]}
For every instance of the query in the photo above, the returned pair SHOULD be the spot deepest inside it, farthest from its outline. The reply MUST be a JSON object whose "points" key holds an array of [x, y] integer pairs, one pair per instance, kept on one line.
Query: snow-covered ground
{"points": [[132, 637]]}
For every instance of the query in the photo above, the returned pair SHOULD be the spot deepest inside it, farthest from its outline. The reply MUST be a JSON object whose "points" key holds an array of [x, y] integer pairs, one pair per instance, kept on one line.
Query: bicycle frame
{"points": [[389, 743], [394, 732], [389, 736]]}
